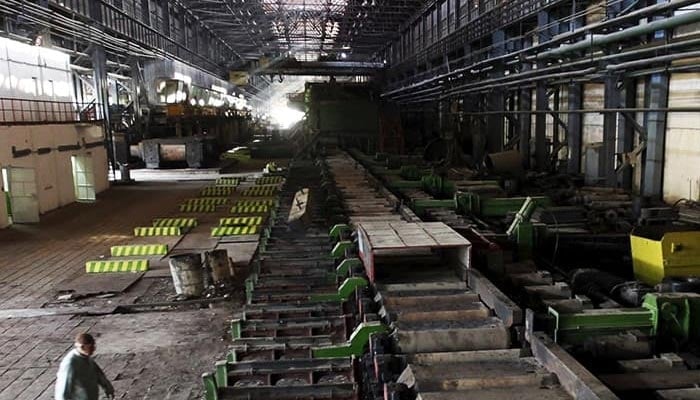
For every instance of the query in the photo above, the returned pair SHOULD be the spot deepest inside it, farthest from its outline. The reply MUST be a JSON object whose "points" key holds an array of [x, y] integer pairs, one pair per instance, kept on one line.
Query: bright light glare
{"points": [[285, 117]]}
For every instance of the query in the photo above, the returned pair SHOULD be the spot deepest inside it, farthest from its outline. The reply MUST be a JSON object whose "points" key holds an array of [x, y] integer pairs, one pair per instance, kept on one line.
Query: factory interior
{"points": [[351, 199]]}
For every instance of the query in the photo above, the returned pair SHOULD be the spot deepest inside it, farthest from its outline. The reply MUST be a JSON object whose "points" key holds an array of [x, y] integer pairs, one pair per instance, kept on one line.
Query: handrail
{"points": [[15, 111]]}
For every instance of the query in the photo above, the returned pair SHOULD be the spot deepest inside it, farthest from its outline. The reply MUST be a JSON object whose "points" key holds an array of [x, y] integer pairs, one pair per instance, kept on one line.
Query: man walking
{"points": [[79, 375]]}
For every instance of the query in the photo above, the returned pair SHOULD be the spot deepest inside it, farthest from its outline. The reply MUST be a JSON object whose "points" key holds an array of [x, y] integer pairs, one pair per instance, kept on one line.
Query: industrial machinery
{"points": [[184, 117], [609, 310], [424, 310], [665, 252]]}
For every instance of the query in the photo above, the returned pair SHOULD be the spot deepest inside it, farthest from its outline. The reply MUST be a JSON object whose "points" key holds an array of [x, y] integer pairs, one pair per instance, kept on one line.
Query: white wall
{"points": [[4, 221], [591, 129], [682, 151], [53, 170], [35, 83]]}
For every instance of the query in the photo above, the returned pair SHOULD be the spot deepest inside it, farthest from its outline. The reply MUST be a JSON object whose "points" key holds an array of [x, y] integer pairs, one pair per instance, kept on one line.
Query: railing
{"points": [[116, 20], [473, 25], [23, 111]]}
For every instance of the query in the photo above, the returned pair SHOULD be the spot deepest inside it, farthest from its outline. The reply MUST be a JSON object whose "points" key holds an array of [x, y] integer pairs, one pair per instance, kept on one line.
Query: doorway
{"points": [[83, 178], [21, 195]]}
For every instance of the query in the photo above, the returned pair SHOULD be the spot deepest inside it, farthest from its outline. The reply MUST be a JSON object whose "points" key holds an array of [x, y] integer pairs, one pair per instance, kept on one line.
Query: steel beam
{"points": [[525, 120], [555, 127], [101, 87], [656, 95], [541, 104], [607, 161], [625, 142], [574, 131], [339, 68], [542, 100], [495, 99]]}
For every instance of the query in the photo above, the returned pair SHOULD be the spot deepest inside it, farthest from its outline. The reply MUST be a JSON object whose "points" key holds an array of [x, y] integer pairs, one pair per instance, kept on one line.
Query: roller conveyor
{"points": [[445, 342]]}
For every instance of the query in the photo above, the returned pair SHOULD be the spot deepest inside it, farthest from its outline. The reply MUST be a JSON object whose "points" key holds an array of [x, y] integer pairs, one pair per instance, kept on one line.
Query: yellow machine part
{"points": [[658, 253]]}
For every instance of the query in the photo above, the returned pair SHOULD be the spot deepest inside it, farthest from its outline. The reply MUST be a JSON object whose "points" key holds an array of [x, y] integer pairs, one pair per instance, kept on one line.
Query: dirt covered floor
{"points": [[148, 347]]}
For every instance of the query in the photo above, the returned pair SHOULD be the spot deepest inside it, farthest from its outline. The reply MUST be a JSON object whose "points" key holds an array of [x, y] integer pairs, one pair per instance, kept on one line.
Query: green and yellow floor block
{"points": [[234, 230], [217, 191], [177, 222], [240, 221], [139, 250], [197, 208], [229, 182], [250, 209], [116, 266], [210, 201], [157, 231], [269, 180], [260, 191]]}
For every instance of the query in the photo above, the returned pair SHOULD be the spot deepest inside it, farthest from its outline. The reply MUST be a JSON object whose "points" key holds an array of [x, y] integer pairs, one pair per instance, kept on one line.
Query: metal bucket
{"points": [[186, 270], [218, 264]]}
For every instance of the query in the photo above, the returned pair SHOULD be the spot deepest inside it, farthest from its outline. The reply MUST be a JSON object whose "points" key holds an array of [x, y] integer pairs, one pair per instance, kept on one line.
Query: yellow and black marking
{"points": [[240, 221], [268, 180], [260, 191], [209, 201], [197, 208], [228, 182], [116, 266], [255, 202], [157, 231], [249, 209], [234, 230], [216, 191], [139, 250], [177, 222]]}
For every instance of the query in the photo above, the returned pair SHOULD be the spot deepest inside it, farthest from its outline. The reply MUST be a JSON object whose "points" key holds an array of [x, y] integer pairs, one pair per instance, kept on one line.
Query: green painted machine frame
{"points": [[498, 207], [675, 317], [523, 231], [575, 328], [355, 346], [671, 318]]}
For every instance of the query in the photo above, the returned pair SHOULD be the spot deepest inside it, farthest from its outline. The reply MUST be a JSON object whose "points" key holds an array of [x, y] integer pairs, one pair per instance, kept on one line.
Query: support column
{"points": [[580, 21], [136, 87], [541, 105], [574, 122], [656, 96], [555, 128], [541, 102], [99, 66], [166, 18], [495, 99], [525, 120], [513, 121], [95, 10], [625, 143], [607, 160]]}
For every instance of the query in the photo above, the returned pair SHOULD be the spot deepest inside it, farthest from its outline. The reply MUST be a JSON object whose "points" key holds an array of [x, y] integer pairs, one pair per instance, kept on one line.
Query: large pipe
{"points": [[635, 31], [494, 82], [580, 63], [641, 13], [638, 63]]}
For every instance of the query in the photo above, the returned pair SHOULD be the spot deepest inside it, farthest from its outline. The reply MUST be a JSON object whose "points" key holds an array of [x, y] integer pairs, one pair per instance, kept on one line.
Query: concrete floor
{"points": [[148, 355]]}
